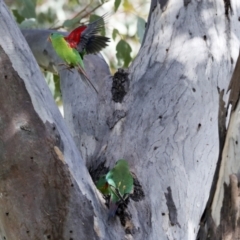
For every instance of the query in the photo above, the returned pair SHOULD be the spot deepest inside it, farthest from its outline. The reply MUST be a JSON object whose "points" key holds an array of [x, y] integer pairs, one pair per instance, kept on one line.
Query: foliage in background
{"points": [[124, 24]]}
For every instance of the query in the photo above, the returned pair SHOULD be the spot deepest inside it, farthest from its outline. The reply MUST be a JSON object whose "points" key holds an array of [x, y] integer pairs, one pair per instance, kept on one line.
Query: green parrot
{"points": [[79, 42], [70, 55], [120, 183]]}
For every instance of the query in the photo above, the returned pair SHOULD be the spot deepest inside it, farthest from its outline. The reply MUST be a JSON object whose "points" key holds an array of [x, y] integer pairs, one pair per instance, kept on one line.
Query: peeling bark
{"points": [[222, 219], [234, 86]]}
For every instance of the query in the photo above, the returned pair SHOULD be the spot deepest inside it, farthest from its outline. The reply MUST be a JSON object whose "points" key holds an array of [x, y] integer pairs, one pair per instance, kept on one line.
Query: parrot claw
{"points": [[66, 67]]}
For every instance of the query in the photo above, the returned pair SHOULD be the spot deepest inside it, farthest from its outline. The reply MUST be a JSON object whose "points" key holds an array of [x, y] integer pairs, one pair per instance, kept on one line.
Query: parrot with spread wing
{"points": [[82, 40], [85, 38], [118, 183]]}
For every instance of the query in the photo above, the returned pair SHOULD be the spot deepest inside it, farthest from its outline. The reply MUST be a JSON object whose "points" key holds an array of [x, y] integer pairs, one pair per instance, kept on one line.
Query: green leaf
{"points": [[140, 28], [47, 17], [70, 23], [19, 18], [50, 81], [95, 17], [28, 10], [53, 82], [29, 24], [128, 6], [116, 4], [123, 53], [115, 33], [57, 93]]}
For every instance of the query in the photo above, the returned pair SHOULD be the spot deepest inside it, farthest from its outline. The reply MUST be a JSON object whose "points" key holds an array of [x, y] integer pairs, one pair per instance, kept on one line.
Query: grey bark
{"points": [[170, 132], [166, 126], [221, 218], [45, 189]]}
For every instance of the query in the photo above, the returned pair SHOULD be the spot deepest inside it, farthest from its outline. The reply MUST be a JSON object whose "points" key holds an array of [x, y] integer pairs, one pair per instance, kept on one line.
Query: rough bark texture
{"points": [[45, 189], [168, 127], [163, 116], [221, 219]]}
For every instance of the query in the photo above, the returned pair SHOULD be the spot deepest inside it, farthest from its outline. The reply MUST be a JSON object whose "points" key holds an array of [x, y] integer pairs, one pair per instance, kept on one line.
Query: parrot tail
{"points": [[80, 69]]}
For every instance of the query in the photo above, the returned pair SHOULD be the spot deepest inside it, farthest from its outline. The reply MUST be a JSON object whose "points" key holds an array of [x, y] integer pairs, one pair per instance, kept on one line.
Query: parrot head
{"points": [[49, 38], [53, 36], [102, 185]]}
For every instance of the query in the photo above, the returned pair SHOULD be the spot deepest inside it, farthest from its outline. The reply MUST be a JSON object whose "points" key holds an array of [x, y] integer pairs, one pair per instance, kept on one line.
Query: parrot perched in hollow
{"points": [[118, 183], [82, 40]]}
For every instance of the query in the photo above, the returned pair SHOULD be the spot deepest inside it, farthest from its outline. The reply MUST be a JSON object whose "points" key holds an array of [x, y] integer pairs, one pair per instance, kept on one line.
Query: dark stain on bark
{"points": [[138, 193], [152, 8], [186, 2], [228, 7], [171, 208], [122, 211], [153, 5], [234, 86], [208, 230], [229, 216], [117, 116], [199, 126], [120, 85], [222, 113], [35, 182], [53, 131], [163, 4], [100, 170], [206, 219], [125, 218]]}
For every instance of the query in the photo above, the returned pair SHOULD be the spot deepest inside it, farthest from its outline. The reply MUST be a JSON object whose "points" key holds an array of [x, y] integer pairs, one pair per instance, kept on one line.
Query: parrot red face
{"points": [[74, 37]]}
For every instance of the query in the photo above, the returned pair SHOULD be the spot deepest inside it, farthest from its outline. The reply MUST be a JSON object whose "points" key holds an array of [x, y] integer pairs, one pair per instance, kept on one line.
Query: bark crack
{"points": [[234, 86]]}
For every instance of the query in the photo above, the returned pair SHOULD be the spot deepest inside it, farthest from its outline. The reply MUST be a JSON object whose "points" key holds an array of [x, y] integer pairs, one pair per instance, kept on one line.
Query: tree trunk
{"points": [[165, 115], [45, 189], [221, 217]]}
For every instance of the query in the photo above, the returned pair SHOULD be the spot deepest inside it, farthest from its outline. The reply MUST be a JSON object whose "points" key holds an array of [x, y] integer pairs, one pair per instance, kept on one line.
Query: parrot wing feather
{"points": [[91, 42]]}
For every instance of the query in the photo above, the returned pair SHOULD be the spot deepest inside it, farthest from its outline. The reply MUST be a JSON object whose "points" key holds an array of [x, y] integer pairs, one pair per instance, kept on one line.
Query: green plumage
{"points": [[70, 55], [120, 178], [118, 183], [102, 185]]}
